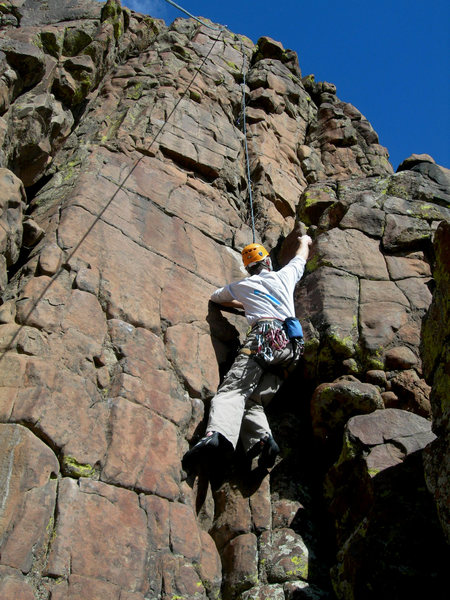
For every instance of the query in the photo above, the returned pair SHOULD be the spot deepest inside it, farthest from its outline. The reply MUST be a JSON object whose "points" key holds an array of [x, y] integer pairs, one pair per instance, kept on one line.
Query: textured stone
{"points": [[12, 203], [152, 468], [102, 556], [353, 252], [379, 467], [111, 349], [13, 585], [240, 564], [334, 403], [28, 481], [413, 393], [285, 556]]}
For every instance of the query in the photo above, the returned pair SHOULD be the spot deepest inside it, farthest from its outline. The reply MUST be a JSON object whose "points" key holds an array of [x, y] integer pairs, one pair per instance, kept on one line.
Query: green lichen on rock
{"points": [[195, 96], [397, 189], [112, 13], [111, 10], [313, 264], [300, 570], [52, 42], [75, 41], [71, 467], [343, 346], [135, 92]]}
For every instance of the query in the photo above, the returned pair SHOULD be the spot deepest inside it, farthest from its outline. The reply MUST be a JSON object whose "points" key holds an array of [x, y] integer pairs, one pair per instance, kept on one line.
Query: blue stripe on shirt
{"points": [[268, 296]]}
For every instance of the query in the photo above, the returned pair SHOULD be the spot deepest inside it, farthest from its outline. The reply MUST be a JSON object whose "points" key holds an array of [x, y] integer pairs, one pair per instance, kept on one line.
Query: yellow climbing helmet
{"points": [[253, 253]]}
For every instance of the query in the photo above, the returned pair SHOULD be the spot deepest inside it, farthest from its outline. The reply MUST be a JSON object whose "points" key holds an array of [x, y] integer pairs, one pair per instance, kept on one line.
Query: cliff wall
{"points": [[125, 203]]}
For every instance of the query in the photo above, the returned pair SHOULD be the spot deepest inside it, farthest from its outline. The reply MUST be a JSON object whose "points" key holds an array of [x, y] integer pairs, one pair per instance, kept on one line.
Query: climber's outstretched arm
{"points": [[233, 304]]}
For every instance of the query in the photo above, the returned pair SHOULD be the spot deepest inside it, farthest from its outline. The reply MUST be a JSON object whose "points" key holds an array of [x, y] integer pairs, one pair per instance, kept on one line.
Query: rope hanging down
{"points": [[194, 17], [244, 131], [122, 183], [244, 114], [103, 210]]}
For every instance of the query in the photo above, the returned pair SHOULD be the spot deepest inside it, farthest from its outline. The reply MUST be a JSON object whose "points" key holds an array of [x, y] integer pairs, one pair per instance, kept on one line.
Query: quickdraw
{"points": [[270, 338]]}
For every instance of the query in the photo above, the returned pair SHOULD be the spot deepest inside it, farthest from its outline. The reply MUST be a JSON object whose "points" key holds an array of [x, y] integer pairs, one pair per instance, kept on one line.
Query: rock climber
{"points": [[273, 343]]}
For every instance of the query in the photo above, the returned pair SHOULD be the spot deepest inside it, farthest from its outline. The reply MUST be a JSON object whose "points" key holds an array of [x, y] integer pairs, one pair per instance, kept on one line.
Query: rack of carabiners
{"points": [[270, 339]]}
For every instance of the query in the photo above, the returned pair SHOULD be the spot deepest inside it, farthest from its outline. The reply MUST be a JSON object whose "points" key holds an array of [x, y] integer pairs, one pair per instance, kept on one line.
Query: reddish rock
{"points": [[233, 516], [85, 587], [261, 508], [210, 565], [28, 480], [146, 377], [377, 377], [390, 400], [66, 415], [184, 534], [284, 512], [240, 564], [157, 510], [114, 554], [191, 348], [285, 556], [413, 392], [12, 203], [417, 292], [153, 468], [43, 303], [334, 403], [400, 358], [380, 321], [50, 259], [402, 267], [14, 585], [113, 361], [353, 252], [180, 578]]}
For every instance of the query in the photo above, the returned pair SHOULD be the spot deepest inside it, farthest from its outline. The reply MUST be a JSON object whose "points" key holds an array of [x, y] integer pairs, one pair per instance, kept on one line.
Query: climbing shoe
{"points": [[267, 449], [205, 451]]}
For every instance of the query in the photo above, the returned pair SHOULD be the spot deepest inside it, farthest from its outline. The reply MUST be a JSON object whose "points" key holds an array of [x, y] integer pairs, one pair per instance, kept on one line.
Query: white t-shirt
{"points": [[269, 295]]}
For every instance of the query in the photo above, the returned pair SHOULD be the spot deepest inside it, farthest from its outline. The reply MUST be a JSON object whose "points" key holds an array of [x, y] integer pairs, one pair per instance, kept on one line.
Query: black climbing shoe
{"points": [[205, 451], [269, 453], [268, 450]]}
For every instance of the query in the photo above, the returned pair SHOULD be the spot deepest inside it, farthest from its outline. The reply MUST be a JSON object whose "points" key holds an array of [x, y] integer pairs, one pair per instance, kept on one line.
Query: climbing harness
{"points": [[270, 338]]}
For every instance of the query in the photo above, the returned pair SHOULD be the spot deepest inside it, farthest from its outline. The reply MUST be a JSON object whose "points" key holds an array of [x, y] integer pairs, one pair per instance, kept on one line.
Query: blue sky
{"points": [[390, 59]]}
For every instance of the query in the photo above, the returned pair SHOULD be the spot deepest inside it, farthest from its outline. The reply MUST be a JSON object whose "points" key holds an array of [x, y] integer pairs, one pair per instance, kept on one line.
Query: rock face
{"points": [[124, 205]]}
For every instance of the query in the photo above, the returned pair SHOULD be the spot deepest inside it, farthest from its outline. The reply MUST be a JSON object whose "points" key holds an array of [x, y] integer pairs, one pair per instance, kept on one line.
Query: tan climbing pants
{"points": [[237, 409]]}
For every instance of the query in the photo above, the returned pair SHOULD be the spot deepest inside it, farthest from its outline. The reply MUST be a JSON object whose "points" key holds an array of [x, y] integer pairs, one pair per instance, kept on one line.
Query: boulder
{"points": [[375, 492]]}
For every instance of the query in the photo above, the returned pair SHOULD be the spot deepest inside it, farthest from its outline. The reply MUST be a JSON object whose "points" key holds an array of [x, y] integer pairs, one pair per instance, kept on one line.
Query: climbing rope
{"points": [[155, 137], [243, 112], [194, 17], [244, 131], [103, 210]]}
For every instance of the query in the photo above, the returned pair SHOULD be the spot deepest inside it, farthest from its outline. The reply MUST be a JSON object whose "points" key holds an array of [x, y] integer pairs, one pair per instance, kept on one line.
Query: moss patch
{"points": [[70, 466]]}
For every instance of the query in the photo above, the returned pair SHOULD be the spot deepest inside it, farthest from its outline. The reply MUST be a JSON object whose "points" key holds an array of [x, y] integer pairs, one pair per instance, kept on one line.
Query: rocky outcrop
{"points": [[124, 204], [435, 349]]}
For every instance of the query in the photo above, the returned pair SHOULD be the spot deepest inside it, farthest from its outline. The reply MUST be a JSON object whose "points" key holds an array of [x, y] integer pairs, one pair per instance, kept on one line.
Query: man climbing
{"points": [[237, 409]]}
